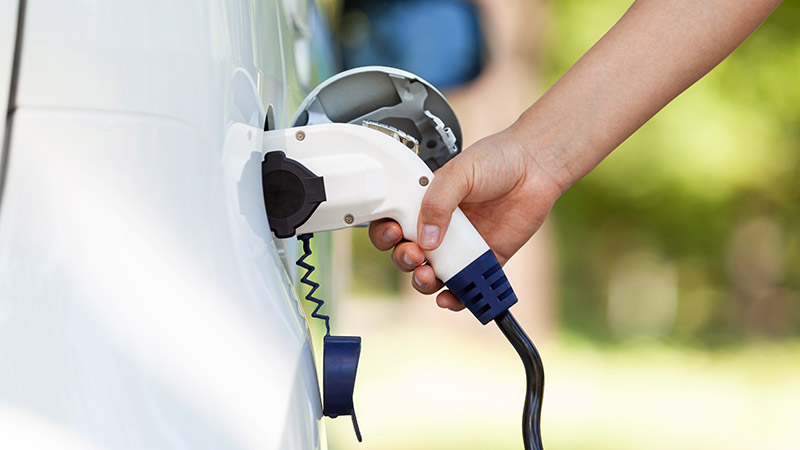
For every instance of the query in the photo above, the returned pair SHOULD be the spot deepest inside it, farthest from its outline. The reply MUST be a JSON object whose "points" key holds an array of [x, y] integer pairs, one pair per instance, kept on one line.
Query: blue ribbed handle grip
{"points": [[483, 288]]}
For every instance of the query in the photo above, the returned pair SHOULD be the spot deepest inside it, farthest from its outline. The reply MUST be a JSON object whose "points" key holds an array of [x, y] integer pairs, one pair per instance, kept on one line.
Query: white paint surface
{"points": [[143, 303]]}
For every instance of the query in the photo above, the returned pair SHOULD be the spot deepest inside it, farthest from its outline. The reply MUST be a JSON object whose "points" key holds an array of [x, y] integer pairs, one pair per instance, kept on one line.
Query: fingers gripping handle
{"points": [[470, 269], [460, 245]]}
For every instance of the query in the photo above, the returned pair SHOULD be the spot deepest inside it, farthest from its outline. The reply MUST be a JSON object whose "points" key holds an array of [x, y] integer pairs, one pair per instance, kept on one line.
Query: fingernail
{"points": [[416, 281], [429, 237], [390, 235], [408, 260]]}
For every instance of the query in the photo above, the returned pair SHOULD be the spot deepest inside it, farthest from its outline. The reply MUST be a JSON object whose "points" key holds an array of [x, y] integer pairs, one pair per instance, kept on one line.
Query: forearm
{"points": [[654, 52]]}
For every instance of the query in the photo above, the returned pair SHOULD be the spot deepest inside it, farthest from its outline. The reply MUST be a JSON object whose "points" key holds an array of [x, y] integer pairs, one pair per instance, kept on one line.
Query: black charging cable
{"points": [[340, 358], [534, 374], [484, 289]]}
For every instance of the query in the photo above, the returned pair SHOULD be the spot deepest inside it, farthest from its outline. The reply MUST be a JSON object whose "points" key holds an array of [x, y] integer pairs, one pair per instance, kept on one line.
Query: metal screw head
{"points": [[423, 181], [349, 219], [300, 135]]}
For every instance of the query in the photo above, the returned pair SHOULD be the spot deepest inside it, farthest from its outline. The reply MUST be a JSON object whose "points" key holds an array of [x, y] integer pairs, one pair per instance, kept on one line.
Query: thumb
{"points": [[452, 183]]}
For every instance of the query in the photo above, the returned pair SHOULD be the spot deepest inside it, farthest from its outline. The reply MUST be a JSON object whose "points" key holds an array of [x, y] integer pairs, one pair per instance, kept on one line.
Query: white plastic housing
{"points": [[369, 175]]}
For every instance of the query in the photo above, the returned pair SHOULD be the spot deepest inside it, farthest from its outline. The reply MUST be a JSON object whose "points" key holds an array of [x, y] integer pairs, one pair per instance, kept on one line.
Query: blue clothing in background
{"points": [[439, 40]]}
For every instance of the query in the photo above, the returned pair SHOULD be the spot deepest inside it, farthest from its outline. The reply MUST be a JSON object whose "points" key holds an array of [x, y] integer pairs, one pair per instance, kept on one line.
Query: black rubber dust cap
{"points": [[291, 193]]}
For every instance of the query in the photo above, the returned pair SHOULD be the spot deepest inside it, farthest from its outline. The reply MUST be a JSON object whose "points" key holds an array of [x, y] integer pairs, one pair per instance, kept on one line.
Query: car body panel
{"points": [[8, 31], [143, 301]]}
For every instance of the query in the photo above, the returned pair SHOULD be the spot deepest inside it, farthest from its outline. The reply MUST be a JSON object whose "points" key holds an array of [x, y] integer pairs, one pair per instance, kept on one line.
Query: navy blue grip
{"points": [[339, 365], [483, 288]]}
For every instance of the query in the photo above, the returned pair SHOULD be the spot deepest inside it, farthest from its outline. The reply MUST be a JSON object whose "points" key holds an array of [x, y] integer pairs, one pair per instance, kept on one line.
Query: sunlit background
{"points": [[663, 291]]}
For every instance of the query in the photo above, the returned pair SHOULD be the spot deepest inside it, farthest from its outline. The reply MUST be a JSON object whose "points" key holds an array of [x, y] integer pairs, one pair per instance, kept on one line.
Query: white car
{"points": [[144, 303]]}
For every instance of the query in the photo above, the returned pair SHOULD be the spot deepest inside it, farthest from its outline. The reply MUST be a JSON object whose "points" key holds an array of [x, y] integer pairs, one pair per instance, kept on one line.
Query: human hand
{"points": [[506, 184], [503, 189]]}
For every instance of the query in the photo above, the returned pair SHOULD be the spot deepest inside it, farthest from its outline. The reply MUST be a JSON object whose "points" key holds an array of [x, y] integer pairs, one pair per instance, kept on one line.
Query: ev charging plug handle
{"points": [[346, 174], [329, 176]]}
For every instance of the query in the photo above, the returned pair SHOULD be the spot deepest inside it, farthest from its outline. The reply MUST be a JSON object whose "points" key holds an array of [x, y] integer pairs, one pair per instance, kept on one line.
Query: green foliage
{"points": [[720, 158], [377, 275]]}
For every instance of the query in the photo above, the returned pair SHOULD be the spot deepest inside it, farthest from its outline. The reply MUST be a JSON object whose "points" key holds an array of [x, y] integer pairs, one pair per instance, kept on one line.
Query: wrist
{"points": [[550, 156]]}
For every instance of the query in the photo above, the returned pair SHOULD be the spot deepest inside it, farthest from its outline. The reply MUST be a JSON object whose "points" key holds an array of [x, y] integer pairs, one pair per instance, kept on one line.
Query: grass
{"points": [[429, 380]]}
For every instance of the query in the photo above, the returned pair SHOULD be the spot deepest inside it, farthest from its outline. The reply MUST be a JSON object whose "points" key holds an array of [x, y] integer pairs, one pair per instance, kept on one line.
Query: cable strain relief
{"points": [[483, 288]]}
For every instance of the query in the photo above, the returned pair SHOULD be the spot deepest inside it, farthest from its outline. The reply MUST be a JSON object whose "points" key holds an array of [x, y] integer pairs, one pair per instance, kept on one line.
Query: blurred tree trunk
{"points": [[510, 82]]}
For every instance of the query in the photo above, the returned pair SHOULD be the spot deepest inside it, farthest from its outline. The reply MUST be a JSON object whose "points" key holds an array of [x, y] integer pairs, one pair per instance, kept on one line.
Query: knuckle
{"points": [[397, 259], [435, 211]]}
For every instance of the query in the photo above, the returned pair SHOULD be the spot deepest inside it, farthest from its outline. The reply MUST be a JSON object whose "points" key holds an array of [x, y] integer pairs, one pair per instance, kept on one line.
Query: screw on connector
{"points": [[349, 219], [300, 135], [423, 181]]}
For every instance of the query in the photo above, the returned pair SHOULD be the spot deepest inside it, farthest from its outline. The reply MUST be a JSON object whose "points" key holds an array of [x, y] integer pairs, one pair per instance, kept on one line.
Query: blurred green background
{"points": [[703, 201], [669, 314]]}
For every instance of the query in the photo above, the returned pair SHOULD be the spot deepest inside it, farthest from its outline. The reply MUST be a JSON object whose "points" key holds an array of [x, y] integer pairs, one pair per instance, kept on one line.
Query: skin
{"points": [[507, 183]]}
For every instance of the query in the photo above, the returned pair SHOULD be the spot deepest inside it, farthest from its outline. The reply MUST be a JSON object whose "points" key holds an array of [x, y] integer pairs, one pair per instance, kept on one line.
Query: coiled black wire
{"points": [[534, 369], [534, 374], [306, 239]]}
